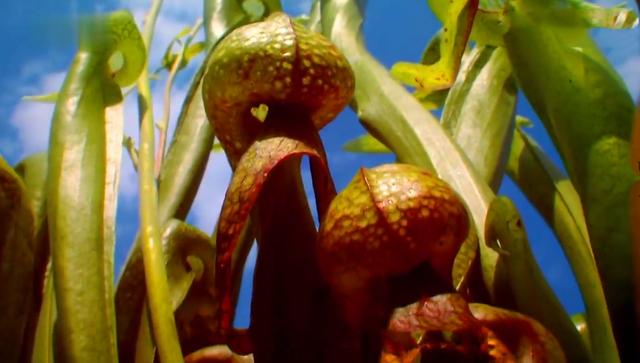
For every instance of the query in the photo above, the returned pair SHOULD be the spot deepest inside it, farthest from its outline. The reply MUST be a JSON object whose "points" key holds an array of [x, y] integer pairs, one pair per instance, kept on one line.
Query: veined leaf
{"points": [[479, 111], [522, 285], [588, 112], [554, 196], [478, 114]]}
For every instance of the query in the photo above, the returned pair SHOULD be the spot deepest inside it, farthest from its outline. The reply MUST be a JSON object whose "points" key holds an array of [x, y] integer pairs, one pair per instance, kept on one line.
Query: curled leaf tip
{"points": [[116, 36]]}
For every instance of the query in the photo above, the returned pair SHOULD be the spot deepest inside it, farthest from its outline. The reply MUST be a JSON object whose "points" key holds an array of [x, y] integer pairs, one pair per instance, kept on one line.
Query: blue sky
{"points": [[39, 41]]}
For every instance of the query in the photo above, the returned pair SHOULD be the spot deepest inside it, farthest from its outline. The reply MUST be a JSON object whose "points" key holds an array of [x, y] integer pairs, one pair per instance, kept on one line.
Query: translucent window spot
{"points": [[116, 62]]}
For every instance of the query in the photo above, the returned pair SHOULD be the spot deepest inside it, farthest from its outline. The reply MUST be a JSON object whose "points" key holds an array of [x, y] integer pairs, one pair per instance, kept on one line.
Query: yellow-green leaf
{"points": [[555, 197], [366, 144], [48, 98], [453, 41], [522, 284]]}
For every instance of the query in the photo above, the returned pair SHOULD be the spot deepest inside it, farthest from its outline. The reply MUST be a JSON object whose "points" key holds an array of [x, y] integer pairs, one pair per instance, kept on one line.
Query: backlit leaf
{"points": [[453, 41], [521, 283], [365, 144], [553, 194]]}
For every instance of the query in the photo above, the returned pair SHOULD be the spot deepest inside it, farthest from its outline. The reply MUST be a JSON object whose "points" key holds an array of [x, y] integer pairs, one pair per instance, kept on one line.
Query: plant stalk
{"points": [[162, 319], [163, 125]]}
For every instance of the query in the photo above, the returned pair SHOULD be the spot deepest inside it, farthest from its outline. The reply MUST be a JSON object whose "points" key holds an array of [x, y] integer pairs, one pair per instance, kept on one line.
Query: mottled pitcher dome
{"points": [[278, 63], [386, 222]]}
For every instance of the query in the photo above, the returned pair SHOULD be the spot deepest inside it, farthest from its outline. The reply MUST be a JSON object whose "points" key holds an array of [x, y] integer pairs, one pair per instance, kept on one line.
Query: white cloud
{"points": [[32, 120]]}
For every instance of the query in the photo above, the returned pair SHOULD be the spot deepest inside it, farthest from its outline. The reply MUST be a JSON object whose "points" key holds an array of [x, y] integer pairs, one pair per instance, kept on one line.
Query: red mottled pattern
{"points": [[446, 328], [245, 187], [447, 312], [274, 62], [389, 220], [441, 328], [525, 337]]}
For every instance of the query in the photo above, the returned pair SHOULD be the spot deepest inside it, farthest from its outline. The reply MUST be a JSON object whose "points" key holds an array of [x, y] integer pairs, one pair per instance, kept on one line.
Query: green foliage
{"points": [[190, 257], [593, 142], [556, 199], [84, 159], [521, 285]]}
